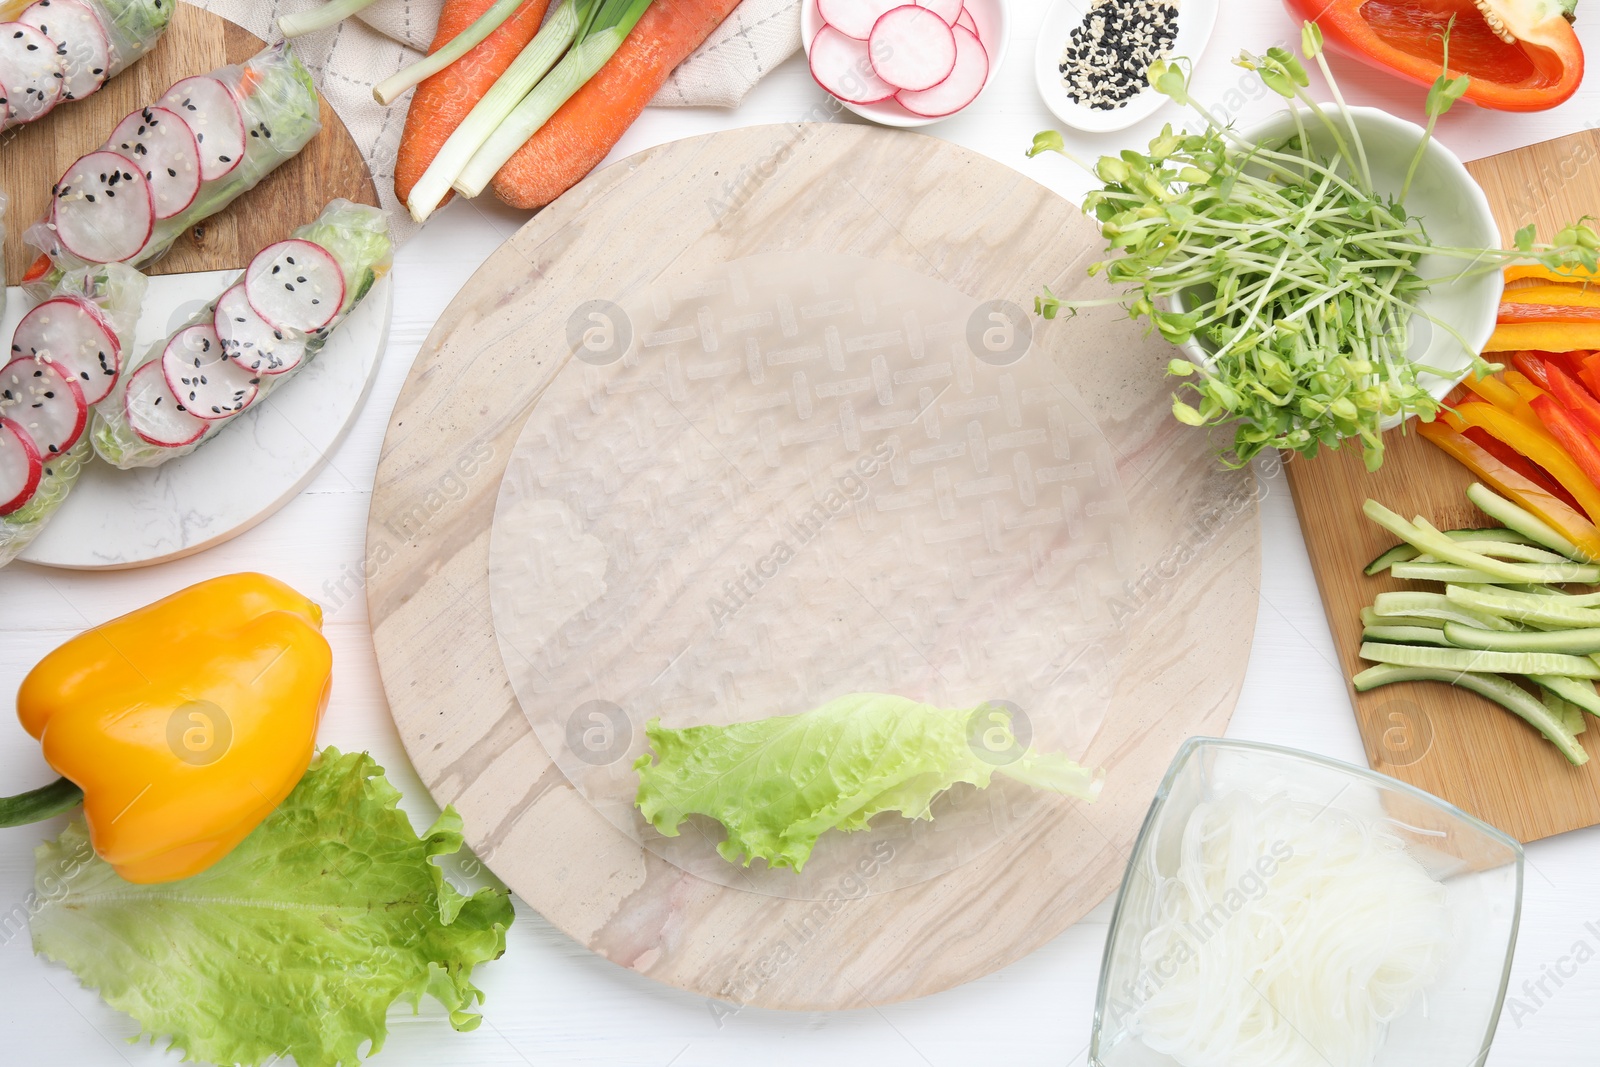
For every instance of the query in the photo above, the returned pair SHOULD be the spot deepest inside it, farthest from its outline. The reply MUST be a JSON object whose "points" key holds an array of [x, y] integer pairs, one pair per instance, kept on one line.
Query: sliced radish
{"points": [[7, 112], [949, 10], [912, 48], [840, 65], [155, 414], [960, 88], [20, 466], [966, 23], [208, 384], [70, 333], [162, 145], [854, 18], [32, 62], [251, 341], [212, 112], [103, 212], [84, 50], [47, 403], [295, 285]]}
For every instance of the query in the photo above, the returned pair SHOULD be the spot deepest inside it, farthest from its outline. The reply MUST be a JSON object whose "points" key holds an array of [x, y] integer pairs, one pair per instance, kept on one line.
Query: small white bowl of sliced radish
{"points": [[904, 62]]}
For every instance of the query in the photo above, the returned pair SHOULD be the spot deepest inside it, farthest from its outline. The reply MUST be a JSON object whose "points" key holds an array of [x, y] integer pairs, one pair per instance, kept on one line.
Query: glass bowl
{"points": [[1453, 1022]]}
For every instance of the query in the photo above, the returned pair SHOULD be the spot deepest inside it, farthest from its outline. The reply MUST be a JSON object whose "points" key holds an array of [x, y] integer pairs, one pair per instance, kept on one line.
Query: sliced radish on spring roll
{"points": [[71, 334]]}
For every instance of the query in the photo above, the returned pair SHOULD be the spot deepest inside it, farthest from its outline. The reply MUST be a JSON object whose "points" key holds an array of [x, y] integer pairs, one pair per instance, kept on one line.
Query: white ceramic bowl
{"points": [[990, 18], [1456, 213], [1196, 19]]}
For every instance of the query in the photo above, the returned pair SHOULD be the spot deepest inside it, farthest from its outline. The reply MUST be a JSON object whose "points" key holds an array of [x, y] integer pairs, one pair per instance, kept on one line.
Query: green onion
{"points": [[609, 25], [329, 14], [387, 91], [532, 64]]}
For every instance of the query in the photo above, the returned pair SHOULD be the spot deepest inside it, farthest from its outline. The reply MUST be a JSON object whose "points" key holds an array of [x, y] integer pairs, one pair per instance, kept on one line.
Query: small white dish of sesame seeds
{"points": [[1113, 42]]}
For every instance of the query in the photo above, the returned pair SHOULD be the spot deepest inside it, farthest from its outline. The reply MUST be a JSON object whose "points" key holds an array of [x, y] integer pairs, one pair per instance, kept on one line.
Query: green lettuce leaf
{"points": [[778, 784], [296, 943]]}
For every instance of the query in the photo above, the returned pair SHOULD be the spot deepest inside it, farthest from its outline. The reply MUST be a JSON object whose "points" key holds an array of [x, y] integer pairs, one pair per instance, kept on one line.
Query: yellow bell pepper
{"points": [[184, 723], [1545, 337], [1537, 445]]}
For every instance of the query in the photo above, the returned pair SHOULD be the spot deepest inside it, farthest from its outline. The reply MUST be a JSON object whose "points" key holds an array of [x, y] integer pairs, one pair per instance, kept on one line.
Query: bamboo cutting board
{"points": [[33, 156], [1190, 547], [1452, 743]]}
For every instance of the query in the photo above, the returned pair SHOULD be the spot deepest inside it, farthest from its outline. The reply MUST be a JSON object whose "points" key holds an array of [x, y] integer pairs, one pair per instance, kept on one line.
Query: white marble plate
{"points": [[115, 519]]}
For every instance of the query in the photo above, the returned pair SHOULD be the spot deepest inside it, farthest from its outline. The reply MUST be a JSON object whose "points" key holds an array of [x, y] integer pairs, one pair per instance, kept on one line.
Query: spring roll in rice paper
{"points": [[170, 165], [55, 51], [267, 324], [64, 355]]}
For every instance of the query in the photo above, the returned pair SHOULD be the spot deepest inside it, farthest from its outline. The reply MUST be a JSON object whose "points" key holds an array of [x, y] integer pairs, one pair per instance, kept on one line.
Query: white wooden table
{"points": [[552, 1002]]}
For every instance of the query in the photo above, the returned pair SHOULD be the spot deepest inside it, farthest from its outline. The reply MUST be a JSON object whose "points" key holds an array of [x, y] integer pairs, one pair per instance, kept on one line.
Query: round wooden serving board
{"points": [[33, 156], [1190, 547]]}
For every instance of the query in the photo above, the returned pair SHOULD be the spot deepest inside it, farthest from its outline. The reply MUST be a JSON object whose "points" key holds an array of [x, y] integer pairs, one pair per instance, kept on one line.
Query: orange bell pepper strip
{"points": [[1545, 336], [1529, 59], [1564, 295], [1513, 486], [1507, 455], [1571, 435], [1572, 396], [183, 723], [1522, 311], [1536, 444], [1522, 271]]}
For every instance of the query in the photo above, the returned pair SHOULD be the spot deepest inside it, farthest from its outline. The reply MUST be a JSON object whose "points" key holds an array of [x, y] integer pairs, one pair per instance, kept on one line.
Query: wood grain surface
{"points": [[1450, 742], [32, 157], [1192, 550]]}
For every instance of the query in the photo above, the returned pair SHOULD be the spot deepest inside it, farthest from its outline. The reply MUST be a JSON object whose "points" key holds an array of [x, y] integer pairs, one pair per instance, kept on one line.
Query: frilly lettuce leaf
{"points": [[778, 784], [296, 943]]}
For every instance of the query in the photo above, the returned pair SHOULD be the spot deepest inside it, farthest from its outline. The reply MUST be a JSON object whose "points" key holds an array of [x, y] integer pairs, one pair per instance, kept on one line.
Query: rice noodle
{"points": [[1290, 934]]}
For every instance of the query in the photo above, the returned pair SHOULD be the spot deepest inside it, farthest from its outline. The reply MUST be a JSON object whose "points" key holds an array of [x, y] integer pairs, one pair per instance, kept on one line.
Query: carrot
{"points": [[589, 125], [442, 102]]}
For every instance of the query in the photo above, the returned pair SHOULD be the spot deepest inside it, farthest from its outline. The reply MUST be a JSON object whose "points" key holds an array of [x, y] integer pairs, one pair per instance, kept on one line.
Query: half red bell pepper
{"points": [[1522, 55]]}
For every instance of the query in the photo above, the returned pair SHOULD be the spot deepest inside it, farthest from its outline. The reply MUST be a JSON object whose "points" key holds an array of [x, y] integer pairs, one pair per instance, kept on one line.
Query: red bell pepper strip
{"points": [[1590, 373], [1522, 55], [1514, 461], [1518, 312], [1532, 366], [1570, 435], [1509, 483], [1572, 396]]}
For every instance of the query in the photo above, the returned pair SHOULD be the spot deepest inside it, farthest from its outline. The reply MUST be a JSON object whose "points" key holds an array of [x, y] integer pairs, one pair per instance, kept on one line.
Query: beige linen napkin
{"points": [[351, 58]]}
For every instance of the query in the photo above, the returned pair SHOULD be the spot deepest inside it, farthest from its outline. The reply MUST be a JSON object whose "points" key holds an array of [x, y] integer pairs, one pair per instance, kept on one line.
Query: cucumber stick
{"points": [[1521, 520], [1585, 642], [1451, 572], [1433, 542], [1495, 541], [1570, 714], [1572, 690], [1411, 635], [1507, 694], [1370, 617], [1468, 659], [1509, 606], [1436, 606]]}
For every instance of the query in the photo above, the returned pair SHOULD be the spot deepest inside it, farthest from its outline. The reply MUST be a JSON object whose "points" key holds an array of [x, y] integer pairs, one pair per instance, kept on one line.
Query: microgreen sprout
{"points": [[1295, 275]]}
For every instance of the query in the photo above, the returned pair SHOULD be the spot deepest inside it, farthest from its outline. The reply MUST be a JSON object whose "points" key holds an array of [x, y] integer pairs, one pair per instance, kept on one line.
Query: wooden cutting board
{"points": [[1191, 546], [32, 157], [1450, 742]]}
